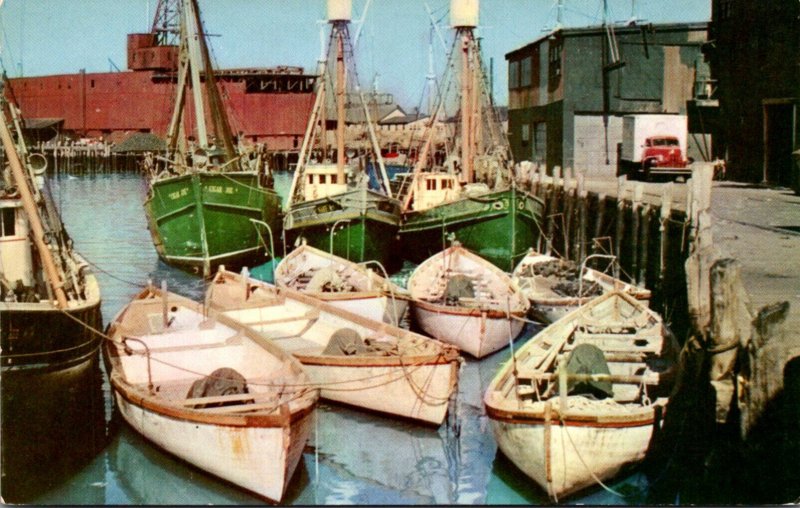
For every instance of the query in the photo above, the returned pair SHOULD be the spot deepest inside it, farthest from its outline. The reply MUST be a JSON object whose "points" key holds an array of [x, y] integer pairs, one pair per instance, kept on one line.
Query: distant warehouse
{"points": [[268, 105], [569, 90]]}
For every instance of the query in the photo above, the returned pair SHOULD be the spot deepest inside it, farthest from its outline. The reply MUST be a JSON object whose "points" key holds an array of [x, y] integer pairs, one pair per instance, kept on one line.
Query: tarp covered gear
{"points": [[588, 359], [458, 286], [223, 381], [345, 341]]}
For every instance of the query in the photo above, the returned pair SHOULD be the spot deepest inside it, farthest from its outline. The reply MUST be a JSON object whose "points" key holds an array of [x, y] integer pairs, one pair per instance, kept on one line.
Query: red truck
{"points": [[653, 145]]}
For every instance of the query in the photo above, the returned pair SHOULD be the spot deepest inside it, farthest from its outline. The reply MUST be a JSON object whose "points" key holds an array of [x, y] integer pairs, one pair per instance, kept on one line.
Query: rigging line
{"points": [[405, 373]]}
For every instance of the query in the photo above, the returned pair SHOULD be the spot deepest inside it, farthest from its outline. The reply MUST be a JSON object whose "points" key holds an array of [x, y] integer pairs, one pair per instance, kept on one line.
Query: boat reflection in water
{"points": [[365, 457]]}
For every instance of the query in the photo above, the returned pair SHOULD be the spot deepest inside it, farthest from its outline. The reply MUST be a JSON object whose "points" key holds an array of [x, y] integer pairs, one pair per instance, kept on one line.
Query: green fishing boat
{"points": [[499, 226], [471, 196], [209, 201], [331, 206]]}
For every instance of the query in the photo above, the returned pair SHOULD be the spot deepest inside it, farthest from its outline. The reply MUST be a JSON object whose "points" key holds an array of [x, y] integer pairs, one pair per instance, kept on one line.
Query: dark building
{"points": [[569, 90], [754, 53]]}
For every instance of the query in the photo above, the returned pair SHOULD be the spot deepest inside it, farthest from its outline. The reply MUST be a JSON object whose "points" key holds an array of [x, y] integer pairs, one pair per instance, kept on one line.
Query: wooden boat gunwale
{"points": [[354, 360], [141, 396]]}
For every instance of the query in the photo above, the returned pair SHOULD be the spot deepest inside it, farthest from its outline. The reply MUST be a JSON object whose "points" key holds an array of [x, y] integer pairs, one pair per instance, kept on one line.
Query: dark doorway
{"points": [[779, 140]]}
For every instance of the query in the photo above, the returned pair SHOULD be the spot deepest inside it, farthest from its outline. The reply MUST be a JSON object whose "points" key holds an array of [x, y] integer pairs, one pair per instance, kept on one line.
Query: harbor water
{"points": [[352, 457]]}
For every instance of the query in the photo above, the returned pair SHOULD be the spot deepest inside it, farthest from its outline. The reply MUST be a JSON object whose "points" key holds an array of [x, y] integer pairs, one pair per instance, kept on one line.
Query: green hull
{"points": [[366, 225], [202, 220], [499, 226]]}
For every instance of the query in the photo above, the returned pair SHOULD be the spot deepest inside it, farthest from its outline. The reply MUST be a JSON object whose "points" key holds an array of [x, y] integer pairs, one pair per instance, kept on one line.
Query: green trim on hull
{"points": [[499, 226], [202, 220], [366, 225]]}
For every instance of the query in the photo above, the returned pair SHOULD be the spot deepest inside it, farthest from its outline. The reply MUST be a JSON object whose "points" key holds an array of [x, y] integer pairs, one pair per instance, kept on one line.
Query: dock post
{"points": [[583, 211], [638, 193], [619, 230]]}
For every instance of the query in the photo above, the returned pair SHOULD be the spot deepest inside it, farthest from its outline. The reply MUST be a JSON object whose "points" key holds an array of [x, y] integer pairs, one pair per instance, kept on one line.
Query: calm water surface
{"points": [[352, 457]]}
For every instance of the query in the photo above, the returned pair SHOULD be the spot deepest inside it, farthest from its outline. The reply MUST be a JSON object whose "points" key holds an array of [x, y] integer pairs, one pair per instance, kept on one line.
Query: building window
{"points": [[539, 141], [8, 225], [725, 7], [526, 72], [513, 74], [555, 58], [526, 134]]}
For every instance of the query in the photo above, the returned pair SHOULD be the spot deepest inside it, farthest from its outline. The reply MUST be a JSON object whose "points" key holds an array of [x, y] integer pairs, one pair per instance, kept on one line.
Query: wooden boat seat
{"points": [[650, 378], [297, 344], [312, 314], [618, 342]]}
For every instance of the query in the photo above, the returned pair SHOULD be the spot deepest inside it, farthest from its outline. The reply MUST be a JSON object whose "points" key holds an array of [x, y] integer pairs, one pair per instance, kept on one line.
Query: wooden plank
{"points": [[236, 397]]}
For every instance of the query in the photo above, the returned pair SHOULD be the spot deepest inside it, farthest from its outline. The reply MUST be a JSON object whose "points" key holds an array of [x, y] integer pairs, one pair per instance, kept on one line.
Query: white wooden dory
{"points": [[462, 299], [342, 283], [354, 360], [567, 441], [542, 279], [210, 391]]}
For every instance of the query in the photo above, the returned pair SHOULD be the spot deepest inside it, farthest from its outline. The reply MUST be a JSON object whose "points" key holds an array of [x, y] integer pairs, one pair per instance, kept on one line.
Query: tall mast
{"points": [[29, 205], [464, 18], [339, 15], [193, 44], [222, 128], [340, 98]]}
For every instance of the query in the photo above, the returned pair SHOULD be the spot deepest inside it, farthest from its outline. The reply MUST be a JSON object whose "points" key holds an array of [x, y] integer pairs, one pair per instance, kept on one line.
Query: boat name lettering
{"points": [[179, 193], [219, 189]]}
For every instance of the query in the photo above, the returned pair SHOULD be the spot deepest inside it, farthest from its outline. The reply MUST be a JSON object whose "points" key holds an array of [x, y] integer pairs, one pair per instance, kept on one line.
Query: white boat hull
{"points": [[377, 308], [419, 392], [254, 458], [573, 456], [478, 335]]}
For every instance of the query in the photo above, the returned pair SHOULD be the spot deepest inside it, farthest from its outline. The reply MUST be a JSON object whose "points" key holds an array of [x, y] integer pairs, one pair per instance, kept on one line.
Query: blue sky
{"points": [[42, 37]]}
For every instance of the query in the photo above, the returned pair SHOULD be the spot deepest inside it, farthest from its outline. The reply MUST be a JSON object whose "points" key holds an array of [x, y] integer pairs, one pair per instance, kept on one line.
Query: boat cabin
{"points": [[322, 180], [15, 246], [432, 189]]}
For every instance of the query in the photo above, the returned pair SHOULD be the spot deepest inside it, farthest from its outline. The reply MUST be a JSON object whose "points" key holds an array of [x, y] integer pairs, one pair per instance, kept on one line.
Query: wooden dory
{"points": [[606, 416], [462, 299], [353, 360], [210, 391], [554, 289], [342, 283]]}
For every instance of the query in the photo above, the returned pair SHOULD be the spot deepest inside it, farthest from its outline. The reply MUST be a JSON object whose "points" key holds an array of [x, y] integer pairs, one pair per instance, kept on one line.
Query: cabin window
{"points": [[447, 184], [334, 178], [526, 134], [8, 226], [431, 184], [323, 179], [310, 179]]}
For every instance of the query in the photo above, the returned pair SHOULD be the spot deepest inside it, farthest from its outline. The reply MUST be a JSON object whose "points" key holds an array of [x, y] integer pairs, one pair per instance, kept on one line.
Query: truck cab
{"points": [[663, 151]]}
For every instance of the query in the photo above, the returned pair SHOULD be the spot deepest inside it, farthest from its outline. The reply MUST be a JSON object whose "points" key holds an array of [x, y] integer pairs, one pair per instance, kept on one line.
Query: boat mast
{"points": [[29, 205], [222, 127], [192, 35], [464, 18], [339, 26]]}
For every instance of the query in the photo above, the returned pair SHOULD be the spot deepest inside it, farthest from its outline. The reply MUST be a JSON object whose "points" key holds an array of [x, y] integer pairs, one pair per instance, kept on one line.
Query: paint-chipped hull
{"points": [[254, 458], [471, 331], [565, 459], [390, 389]]}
